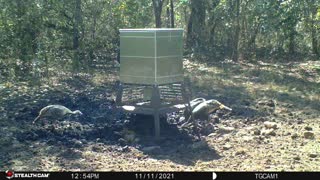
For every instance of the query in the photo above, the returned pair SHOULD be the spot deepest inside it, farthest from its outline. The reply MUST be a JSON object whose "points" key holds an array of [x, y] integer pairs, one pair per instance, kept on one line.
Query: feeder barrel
{"points": [[151, 56]]}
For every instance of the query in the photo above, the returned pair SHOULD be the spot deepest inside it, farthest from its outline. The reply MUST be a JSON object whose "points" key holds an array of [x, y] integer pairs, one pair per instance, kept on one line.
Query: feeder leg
{"points": [[119, 94], [155, 103], [186, 95], [157, 124]]}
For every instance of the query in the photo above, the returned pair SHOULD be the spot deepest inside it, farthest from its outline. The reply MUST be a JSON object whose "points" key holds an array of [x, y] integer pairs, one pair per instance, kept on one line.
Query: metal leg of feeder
{"points": [[119, 94], [157, 124], [155, 103], [186, 98]]}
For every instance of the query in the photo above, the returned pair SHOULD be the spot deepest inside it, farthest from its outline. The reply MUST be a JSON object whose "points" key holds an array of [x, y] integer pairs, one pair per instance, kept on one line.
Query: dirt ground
{"points": [[274, 125]]}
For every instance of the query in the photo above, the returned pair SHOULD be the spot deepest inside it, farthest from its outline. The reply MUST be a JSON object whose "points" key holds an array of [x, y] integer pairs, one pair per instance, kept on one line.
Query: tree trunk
{"points": [[185, 14], [291, 41], [196, 25], [93, 38], [212, 34], [251, 46], [314, 40], [94, 25], [235, 49], [310, 18], [76, 35], [168, 18], [157, 7], [189, 31], [171, 14], [23, 42], [213, 22]]}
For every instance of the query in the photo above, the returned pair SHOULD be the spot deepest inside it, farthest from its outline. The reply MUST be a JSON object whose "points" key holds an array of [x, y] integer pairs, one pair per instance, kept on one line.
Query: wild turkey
{"points": [[55, 111]]}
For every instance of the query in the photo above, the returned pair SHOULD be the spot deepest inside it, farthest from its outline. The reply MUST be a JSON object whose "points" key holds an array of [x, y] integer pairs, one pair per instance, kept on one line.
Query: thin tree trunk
{"points": [[171, 14], [94, 25], [168, 18], [310, 17], [46, 64], [292, 41], [196, 25], [314, 40], [213, 22], [212, 34], [189, 31], [93, 37], [76, 35], [157, 7], [235, 53], [251, 44], [23, 42], [185, 14]]}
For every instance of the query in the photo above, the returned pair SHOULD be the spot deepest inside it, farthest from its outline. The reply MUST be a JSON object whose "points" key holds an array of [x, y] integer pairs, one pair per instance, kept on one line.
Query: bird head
{"points": [[215, 105], [77, 112]]}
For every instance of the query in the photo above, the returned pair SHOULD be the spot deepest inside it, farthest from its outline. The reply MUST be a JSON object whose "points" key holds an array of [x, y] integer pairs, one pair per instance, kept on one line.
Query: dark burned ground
{"points": [[274, 124]]}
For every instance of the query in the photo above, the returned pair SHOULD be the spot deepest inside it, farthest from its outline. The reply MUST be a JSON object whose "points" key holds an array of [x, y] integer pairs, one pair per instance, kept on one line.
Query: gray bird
{"points": [[55, 111], [201, 111], [194, 103], [204, 109]]}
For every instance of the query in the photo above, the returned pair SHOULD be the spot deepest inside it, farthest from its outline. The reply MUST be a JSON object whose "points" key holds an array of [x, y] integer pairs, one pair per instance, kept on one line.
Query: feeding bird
{"points": [[193, 104], [196, 102], [55, 111], [201, 109], [204, 109]]}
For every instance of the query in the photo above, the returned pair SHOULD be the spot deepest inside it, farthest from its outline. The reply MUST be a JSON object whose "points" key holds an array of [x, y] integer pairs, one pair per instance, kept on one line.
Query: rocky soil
{"points": [[274, 125]]}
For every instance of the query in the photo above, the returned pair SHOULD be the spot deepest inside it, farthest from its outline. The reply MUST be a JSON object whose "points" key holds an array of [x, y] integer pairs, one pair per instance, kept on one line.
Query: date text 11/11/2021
{"points": [[154, 176]]}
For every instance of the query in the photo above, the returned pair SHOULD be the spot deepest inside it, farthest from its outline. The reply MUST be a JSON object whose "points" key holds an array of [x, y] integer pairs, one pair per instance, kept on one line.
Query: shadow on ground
{"points": [[175, 144], [102, 122]]}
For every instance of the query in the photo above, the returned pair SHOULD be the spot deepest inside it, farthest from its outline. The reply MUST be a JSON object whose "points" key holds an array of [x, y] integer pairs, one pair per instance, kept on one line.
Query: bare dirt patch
{"points": [[274, 124]]}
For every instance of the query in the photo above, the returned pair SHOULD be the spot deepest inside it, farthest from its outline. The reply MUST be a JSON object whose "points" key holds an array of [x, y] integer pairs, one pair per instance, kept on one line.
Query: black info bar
{"points": [[95, 175]]}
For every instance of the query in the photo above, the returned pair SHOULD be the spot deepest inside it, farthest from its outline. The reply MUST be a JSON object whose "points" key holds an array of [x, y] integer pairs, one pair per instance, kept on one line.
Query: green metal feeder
{"points": [[151, 72]]}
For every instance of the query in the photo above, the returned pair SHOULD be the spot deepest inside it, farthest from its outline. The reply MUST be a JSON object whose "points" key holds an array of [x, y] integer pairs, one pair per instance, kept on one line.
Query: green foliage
{"points": [[38, 36], [136, 14]]}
